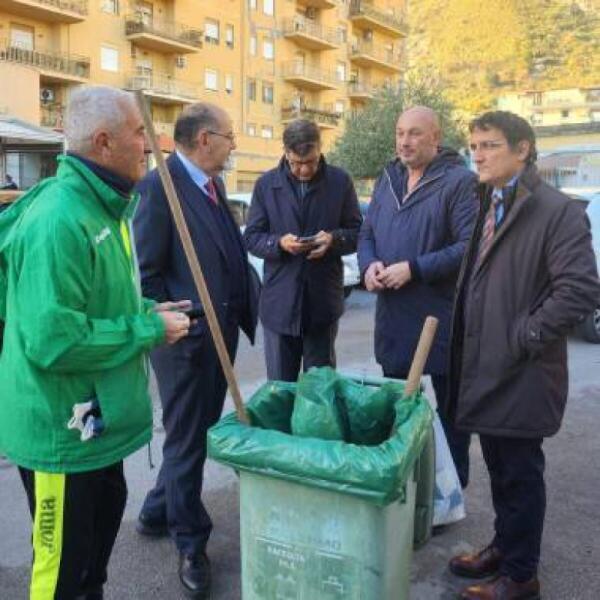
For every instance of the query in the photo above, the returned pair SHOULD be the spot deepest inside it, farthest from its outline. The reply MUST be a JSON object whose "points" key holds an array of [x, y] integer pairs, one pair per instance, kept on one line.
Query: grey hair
{"points": [[193, 119], [92, 108]]}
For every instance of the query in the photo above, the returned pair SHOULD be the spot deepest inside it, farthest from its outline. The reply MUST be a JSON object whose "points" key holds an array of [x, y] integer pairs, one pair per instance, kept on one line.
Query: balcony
{"points": [[320, 4], [162, 36], [163, 89], [51, 11], [367, 16], [365, 54], [310, 78], [52, 115], [311, 35], [325, 117], [360, 91], [53, 66]]}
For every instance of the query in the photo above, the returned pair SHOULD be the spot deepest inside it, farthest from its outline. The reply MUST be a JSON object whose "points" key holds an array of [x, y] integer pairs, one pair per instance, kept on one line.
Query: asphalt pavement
{"points": [[144, 569]]}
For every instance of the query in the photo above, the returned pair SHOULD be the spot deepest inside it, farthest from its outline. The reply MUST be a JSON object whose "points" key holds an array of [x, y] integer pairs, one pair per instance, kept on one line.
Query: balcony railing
{"points": [[298, 70], [137, 23], [375, 54], [52, 115], [77, 6], [69, 11], [327, 116], [388, 20], [70, 65], [162, 85], [301, 26], [358, 88]]}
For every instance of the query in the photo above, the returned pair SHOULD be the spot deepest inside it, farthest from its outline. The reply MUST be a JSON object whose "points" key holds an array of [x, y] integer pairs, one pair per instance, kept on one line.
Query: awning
{"points": [[15, 132]]}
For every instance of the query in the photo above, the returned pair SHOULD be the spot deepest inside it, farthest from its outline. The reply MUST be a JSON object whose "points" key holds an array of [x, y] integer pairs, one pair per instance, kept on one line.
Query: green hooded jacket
{"points": [[76, 326]]}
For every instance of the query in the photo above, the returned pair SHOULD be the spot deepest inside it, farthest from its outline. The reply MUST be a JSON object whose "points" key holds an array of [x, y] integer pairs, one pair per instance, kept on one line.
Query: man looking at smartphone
{"points": [[303, 218]]}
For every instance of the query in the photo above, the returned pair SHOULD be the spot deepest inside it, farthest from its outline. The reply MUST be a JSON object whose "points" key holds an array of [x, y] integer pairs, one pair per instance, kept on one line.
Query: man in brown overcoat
{"points": [[529, 275]]}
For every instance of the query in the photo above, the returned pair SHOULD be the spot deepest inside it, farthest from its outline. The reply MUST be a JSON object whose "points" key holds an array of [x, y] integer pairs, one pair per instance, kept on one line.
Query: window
{"points": [[266, 132], [595, 116], [110, 7], [537, 99], [229, 84], [267, 93], [251, 129], [565, 114], [146, 11], [109, 59], [211, 80], [251, 89], [268, 7], [211, 31], [21, 36], [268, 49], [340, 71], [340, 107], [253, 45], [342, 34], [252, 4], [229, 36]]}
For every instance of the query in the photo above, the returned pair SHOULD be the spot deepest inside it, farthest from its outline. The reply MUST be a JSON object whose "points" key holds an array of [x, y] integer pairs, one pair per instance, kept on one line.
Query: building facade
{"points": [[559, 117], [265, 61]]}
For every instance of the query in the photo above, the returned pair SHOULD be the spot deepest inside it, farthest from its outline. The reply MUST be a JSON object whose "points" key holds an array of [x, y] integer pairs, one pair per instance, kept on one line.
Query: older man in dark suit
{"points": [[191, 382]]}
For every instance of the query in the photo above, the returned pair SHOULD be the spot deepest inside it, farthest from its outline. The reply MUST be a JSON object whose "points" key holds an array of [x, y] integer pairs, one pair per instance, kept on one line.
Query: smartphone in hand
{"points": [[309, 239]]}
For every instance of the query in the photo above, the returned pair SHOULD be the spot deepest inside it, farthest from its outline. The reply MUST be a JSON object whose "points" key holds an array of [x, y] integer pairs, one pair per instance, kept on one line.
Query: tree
{"points": [[368, 141]]}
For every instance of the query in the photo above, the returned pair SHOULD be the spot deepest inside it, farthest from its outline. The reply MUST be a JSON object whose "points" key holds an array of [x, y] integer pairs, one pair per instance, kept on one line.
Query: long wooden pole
{"points": [[421, 354], [188, 247]]}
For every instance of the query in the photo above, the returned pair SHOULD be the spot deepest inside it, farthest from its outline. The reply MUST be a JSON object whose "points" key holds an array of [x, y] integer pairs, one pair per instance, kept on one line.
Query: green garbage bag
{"points": [[376, 473], [330, 407], [319, 411]]}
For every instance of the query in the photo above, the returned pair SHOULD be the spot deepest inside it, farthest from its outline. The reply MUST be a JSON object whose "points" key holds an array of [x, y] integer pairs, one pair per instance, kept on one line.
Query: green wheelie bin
{"points": [[325, 519]]}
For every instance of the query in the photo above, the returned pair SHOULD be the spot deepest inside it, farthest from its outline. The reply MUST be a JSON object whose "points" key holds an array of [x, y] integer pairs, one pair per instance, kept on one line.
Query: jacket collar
{"points": [[117, 205]]}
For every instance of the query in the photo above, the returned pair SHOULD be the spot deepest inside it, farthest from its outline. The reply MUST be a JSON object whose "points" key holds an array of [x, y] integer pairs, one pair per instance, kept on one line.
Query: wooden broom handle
{"points": [[192, 259], [421, 355]]}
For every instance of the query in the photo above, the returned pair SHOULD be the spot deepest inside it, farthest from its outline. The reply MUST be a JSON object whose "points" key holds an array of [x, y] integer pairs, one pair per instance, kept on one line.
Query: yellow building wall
{"points": [[179, 70]]}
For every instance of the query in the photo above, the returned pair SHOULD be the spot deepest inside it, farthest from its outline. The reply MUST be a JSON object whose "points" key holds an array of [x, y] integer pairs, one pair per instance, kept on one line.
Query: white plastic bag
{"points": [[448, 501]]}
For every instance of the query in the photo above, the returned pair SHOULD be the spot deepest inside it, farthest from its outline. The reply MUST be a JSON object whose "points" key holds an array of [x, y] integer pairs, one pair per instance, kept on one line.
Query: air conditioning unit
{"points": [[180, 61], [47, 95]]}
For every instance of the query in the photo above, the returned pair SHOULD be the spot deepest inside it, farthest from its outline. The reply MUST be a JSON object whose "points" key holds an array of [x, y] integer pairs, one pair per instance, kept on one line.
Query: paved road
{"points": [[143, 570]]}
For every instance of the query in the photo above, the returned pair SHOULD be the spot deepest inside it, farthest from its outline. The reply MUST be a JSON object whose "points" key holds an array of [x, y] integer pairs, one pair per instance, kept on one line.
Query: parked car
{"points": [[240, 204], [589, 330]]}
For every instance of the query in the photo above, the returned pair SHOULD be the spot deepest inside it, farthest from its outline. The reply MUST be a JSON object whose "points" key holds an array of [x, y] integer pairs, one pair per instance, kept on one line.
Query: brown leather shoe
{"points": [[503, 588], [484, 563]]}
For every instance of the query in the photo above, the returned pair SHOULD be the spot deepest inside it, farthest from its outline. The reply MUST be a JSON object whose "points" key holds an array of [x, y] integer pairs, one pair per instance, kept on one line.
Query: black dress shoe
{"points": [[150, 528], [194, 574]]}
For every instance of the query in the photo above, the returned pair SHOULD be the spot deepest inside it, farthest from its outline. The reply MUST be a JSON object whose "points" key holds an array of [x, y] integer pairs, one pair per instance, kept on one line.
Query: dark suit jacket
{"points": [[290, 281], [164, 269]]}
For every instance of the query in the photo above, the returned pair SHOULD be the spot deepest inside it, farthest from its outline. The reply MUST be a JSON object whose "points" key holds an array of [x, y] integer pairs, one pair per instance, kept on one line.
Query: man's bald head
{"points": [[418, 136]]}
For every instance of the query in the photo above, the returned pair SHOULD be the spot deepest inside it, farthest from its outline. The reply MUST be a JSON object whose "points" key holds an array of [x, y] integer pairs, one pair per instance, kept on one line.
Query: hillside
{"points": [[482, 49]]}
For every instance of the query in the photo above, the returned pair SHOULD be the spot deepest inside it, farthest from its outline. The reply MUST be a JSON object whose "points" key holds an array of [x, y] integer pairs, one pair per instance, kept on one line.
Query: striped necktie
{"points": [[211, 190], [489, 225]]}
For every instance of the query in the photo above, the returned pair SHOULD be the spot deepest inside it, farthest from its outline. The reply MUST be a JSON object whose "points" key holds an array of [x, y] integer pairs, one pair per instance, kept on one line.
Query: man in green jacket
{"points": [[73, 382]]}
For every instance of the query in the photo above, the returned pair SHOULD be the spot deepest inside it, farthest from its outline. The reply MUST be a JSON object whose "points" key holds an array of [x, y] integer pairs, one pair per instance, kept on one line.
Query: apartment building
{"points": [[559, 117], [265, 61]]}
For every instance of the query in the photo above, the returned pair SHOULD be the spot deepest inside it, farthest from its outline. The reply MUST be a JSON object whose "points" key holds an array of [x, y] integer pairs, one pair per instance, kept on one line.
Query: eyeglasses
{"points": [[229, 136], [297, 164], [486, 146]]}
